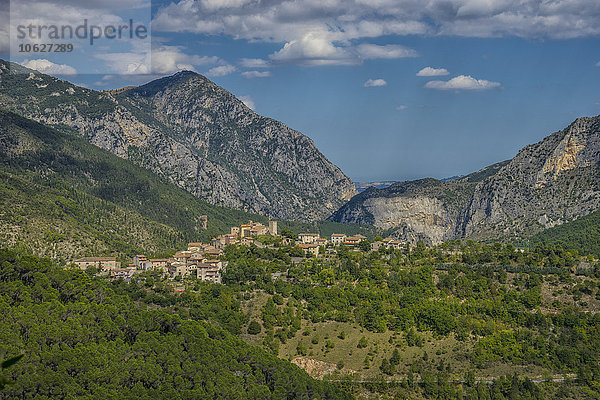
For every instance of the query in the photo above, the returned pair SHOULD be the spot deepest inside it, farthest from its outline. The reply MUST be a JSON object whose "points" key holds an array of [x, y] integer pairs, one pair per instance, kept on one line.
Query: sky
{"points": [[387, 89]]}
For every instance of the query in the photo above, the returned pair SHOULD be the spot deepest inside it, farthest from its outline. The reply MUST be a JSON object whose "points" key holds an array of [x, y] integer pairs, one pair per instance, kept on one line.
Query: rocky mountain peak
{"points": [[195, 134]]}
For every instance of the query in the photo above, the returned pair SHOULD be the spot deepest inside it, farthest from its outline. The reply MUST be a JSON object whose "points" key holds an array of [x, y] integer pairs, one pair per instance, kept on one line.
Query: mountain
{"points": [[195, 134], [61, 195], [547, 183], [421, 210], [544, 185], [64, 197]]}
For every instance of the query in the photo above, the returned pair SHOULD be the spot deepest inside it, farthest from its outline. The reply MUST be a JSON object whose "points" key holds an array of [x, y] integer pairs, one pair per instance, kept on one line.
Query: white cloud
{"points": [[169, 59], [248, 101], [320, 48], [212, 5], [256, 74], [462, 82], [48, 67], [370, 51], [598, 64], [51, 14], [4, 41], [254, 63], [128, 63], [401, 107], [429, 71], [104, 4], [342, 22], [221, 70], [375, 82], [4, 27], [313, 49], [162, 60]]}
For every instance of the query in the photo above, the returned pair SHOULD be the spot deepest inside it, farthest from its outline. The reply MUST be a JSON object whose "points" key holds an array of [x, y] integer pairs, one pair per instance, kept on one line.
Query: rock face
{"points": [[195, 134], [425, 209], [546, 184]]}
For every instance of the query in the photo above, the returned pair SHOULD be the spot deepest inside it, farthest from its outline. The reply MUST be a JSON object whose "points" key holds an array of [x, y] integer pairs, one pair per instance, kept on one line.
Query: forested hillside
{"points": [[582, 235], [84, 338], [460, 320], [64, 194], [429, 317]]}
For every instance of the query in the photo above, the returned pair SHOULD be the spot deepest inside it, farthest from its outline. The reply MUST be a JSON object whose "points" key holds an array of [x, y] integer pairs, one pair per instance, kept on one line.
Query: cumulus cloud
{"points": [[337, 32], [76, 13], [48, 67], [429, 71], [320, 49], [169, 59], [462, 82], [313, 49], [248, 101], [221, 70], [375, 83], [131, 63], [4, 27], [256, 74], [103, 4], [4, 41]]}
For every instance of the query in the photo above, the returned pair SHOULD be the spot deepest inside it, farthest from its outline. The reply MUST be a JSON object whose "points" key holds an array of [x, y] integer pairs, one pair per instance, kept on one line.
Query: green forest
{"points": [[84, 338], [447, 312], [582, 235]]}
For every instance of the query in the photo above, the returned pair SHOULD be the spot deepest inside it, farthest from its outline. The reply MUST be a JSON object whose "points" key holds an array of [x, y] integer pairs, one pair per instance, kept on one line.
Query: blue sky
{"points": [[499, 74]]}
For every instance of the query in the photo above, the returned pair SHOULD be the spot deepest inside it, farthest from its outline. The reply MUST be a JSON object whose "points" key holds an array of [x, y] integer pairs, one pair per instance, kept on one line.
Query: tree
{"points": [[285, 232], [395, 358], [387, 368], [362, 343], [7, 364], [254, 328], [364, 245], [301, 348]]}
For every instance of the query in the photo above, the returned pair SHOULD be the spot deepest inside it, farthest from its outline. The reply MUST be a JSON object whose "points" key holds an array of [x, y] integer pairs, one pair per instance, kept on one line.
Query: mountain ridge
{"points": [[545, 184], [194, 133]]}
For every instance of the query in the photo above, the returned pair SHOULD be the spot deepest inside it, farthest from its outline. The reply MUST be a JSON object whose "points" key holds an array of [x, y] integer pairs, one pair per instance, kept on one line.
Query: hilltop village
{"points": [[204, 261]]}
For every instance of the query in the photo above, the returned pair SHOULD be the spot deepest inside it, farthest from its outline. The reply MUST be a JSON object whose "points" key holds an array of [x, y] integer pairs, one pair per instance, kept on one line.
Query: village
{"points": [[204, 261]]}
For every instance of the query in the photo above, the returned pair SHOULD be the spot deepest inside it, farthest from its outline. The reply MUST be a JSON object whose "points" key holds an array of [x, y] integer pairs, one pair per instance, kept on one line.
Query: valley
{"points": [[165, 241]]}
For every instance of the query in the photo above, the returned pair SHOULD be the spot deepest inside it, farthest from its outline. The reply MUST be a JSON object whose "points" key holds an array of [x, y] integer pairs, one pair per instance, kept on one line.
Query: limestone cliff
{"points": [[425, 210], [546, 184]]}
